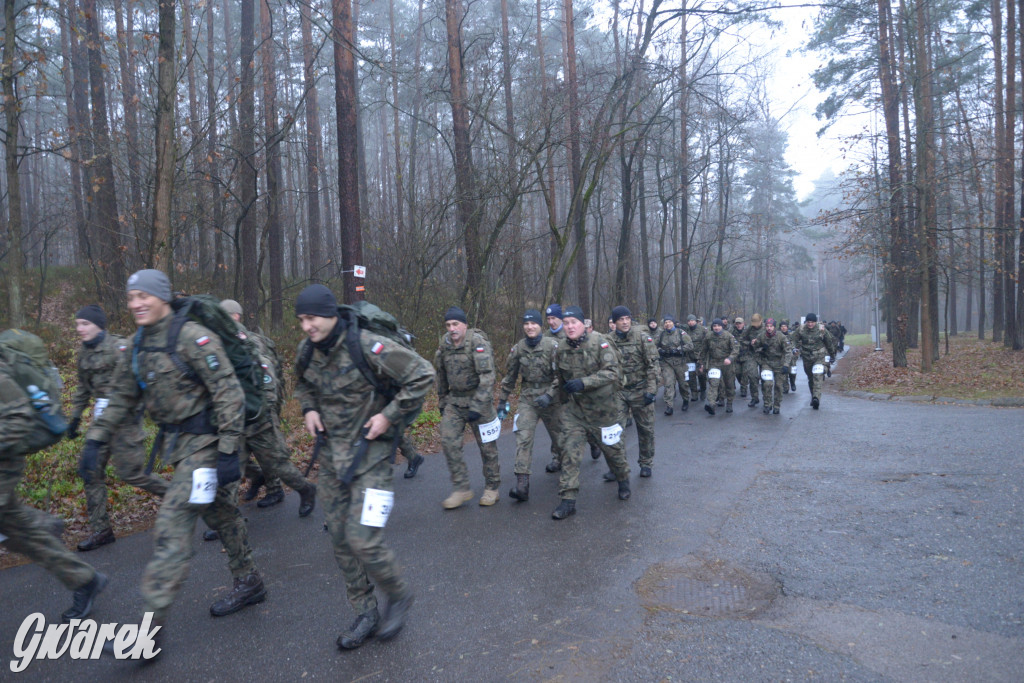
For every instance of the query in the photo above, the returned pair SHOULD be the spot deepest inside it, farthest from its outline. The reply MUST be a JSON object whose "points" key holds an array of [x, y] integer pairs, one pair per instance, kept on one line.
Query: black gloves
{"points": [[542, 401], [72, 432], [573, 386], [227, 468], [649, 398], [662, 352], [472, 416], [90, 456]]}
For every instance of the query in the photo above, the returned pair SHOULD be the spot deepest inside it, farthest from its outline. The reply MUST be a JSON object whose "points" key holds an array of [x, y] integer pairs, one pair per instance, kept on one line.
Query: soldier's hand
{"points": [[573, 386], [313, 424], [72, 432], [227, 468], [376, 425], [542, 401], [503, 409], [472, 416], [728, 362], [649, 398], [90, 456]]}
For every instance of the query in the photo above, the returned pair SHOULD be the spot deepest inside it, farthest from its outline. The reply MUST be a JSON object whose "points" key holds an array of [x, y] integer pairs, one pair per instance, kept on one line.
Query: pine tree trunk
{"points": [[248, 237], [275, 241], [348, 175], [162, 248]]}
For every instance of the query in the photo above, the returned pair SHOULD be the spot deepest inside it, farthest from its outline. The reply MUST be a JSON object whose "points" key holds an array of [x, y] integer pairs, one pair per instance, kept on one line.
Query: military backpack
{"points": [[30, 367]]}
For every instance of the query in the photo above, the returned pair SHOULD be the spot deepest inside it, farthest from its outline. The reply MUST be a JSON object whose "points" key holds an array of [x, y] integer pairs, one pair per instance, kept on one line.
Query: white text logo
{"points": [[82, 639]]}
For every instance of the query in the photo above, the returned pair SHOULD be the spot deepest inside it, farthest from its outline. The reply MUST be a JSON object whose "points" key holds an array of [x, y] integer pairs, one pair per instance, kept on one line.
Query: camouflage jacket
{"points": [[465, 373], [557, 336], [334, 387], [744, 342], [675, 345], [17, 419], [774, 351], [535, 365], [639, 359], [593, 360], [697, 334], [171, 397], [98, 371], [746, 339], [273, 377], [718, 347], [813, 344]]}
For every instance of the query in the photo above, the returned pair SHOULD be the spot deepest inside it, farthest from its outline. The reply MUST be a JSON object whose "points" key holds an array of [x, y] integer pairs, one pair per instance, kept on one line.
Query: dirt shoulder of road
{"points": [[969, 370]]}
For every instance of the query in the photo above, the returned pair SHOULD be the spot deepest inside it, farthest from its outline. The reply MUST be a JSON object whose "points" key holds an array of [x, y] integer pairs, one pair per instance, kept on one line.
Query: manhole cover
{"points": [[706, 589]]}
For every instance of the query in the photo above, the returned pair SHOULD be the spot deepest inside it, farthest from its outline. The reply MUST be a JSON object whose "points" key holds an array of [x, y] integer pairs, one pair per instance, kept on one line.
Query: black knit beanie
{"points": [[316, 300]]}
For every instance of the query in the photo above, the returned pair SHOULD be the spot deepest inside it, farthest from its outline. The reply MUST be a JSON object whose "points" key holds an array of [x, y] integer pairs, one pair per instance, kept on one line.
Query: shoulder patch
{"points": [[377, 348], [203, 341], [480, 349], [212, 362], [604, 345], [650, 339], [241, 335], [122, 347]]}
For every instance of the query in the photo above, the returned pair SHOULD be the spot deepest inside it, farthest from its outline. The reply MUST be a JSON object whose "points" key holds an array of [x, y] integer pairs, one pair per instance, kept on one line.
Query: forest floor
{"points": [[969, 369]]}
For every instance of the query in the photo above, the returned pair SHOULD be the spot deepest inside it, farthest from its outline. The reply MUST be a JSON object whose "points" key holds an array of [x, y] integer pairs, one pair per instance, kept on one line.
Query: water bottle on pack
{"points": [[40, 399]]}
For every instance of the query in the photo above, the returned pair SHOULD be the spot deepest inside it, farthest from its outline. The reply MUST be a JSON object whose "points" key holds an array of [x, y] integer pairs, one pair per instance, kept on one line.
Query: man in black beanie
{"points": [[465, 383], [100, 361]]}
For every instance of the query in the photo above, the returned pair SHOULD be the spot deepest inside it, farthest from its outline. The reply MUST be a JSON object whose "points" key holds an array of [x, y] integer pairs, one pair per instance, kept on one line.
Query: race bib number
{"points": [[611, 435], [686, 376], [714, 373], [491, 431], [768, 375], [691, 367], [818, 369], [377, 505], [515, 422], [828, 359], [792, 370], [204, 486], [101, 405]]}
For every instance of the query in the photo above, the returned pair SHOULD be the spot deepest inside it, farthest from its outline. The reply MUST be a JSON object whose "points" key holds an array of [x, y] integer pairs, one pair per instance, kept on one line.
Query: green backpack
{"points": [[30, 367]]}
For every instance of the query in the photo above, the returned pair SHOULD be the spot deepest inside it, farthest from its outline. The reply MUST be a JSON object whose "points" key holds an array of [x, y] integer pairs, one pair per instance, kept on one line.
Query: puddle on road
{"points": [[706, 588]]}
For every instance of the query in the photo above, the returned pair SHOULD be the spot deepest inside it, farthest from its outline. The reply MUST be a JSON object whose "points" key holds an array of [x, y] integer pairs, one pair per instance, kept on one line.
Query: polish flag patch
{"points": [[202, 341], [604, 345], [377, 348], [480, 349], [122, 347]]}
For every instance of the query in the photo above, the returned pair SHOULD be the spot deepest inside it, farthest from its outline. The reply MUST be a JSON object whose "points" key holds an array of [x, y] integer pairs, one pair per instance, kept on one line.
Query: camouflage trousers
{"points": [[580, 427], [453, 426], [698, 382], [722, 387], [814, 382], [643, 416], [674, 372], [787, 369], [407, 447], [359, 550], [127, 448], [28, 531], [270, 449], [175, 526], [748, 375], [525, 428], [771, 390]]}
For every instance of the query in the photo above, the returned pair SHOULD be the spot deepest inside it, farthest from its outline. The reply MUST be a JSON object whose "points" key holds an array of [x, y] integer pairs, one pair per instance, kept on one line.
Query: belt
{"points": [[200, 423]]}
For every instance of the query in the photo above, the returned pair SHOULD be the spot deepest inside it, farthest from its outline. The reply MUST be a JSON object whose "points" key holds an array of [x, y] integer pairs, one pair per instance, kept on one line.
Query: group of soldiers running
{"points": [[586, 387]]}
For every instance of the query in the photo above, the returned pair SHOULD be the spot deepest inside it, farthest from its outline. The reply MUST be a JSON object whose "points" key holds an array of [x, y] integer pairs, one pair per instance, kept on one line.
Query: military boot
{"points": [[565, 509], [490, 497], [248, 590], [307, 500], [767, 409], [521, 491], [254, 488], [553, 466], [271, 499], [609, 476], [595, 452], [645, 471], [710, 408], [456, 499], [775, 410], [728, 406], [394, 616], [753, 402], [97, 539], [668, 410], [686, 404], [815, 402], [743, 391], [362, 628], [623, 490], [721, 402], [81, 601], [414, 465]]}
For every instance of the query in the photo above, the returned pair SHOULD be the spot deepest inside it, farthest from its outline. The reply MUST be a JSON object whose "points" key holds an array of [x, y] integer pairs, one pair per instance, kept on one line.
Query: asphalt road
{"points": [[864, 541]]}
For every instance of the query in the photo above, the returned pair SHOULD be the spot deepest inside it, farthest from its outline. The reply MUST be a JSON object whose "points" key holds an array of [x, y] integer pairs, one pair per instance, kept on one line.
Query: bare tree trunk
{"points": [[348, 175], [162, 246], [317, 262], [275, 242], [576, 217], [12, 112], [927, 210], [248, 236], [683, 306], [517, 295], [76, 129], [999, 225], [130, 101], [212, 155]]}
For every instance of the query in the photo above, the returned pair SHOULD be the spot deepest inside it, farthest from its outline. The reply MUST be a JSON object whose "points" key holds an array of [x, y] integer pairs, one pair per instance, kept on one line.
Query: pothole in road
{"points": [[706, 588]]}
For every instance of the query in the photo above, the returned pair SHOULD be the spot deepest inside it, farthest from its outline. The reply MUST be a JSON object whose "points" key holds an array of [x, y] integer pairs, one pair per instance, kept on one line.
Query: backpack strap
{"points": [[302, 364], [173, 332], [355, 351]]}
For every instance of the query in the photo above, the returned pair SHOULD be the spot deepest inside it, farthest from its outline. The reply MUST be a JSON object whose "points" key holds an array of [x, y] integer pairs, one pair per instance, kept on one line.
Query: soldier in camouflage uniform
{"points": [[773, 353], [412, 458], [360, 425], [26, 530], [264, 437], [465, 384], [812, 343], [556, 331], [587, 379], [674, 347], [201, 417], [741, 369], [639, 361], [98, 360], [748, 368], [719, 352], [698, 380], [790, 383], [532, 358]]}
